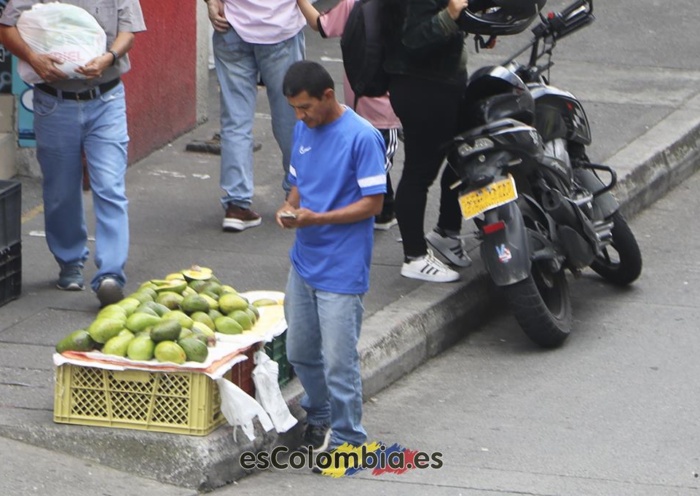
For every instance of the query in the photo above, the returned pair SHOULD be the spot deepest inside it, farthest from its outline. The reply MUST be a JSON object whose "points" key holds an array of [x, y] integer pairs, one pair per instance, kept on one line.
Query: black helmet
{"points": [[499, 17], [495, 93]]}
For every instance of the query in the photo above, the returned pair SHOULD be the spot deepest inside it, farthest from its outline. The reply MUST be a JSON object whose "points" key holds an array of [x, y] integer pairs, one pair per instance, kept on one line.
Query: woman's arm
{"points": [[330, 23], [310, 13]]}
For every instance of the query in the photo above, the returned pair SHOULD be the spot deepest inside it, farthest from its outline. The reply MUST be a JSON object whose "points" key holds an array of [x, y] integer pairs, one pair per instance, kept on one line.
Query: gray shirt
{"points": [[114, 16]]}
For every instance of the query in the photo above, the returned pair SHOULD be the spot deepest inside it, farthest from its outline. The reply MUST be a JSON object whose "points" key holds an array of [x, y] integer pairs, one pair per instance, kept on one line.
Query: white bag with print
{"points": [[66, 31]]}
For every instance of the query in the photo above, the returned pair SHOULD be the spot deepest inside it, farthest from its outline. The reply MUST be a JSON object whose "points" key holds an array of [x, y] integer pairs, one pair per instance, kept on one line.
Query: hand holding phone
{"points": [[287, 215]]}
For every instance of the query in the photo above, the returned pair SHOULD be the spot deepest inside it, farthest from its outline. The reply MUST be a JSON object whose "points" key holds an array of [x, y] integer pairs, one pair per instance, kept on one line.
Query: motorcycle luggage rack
{"points": [[598, 167]]}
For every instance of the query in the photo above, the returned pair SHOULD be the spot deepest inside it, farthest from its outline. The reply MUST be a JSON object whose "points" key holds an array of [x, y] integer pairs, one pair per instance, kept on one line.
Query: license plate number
{"points": [[491, 196]]}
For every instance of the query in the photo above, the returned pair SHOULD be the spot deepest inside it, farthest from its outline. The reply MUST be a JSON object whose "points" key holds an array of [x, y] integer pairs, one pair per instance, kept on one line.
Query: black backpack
{"points": [[362, 45]]}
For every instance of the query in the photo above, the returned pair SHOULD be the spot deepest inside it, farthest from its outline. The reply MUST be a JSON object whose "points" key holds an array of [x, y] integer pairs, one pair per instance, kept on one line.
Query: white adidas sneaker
{"points": [[428, 268]]}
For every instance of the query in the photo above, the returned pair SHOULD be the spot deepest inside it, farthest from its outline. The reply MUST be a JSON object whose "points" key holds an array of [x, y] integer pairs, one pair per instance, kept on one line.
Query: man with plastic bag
{"points": [[338, 185], [83, 113]]}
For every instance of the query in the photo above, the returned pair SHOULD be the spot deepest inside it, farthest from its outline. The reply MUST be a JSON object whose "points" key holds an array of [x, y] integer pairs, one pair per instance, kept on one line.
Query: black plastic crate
{"points": [[10, 273], [10, 213], [277, 350]]}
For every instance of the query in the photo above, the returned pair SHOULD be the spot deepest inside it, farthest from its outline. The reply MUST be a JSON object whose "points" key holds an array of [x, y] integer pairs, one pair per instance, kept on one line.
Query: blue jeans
{"points": [[64, 129], [238, 64], [323, 331]]}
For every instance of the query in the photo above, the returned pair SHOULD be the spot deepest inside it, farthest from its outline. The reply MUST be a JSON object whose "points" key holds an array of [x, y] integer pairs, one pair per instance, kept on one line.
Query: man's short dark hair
{"points": [[308, 76]]}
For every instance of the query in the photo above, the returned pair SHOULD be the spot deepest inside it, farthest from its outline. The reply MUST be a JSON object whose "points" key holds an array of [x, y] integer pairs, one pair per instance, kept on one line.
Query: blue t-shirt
{"points": [[333, 166]]}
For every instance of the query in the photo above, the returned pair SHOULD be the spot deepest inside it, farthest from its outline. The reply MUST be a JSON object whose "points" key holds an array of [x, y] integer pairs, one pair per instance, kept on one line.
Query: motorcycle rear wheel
{"points": [[621, 263], [542, 306]]}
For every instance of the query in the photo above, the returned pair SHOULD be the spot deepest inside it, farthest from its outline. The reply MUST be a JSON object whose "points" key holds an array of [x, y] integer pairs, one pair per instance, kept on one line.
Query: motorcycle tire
{"points": [[542, 306], [621, 263]]}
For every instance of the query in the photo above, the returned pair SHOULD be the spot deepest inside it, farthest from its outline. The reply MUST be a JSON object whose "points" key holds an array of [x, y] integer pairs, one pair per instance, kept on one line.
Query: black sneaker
{"points": [[317, 436], [71, 278], [109, 291], [384, 221], [450, 247]]}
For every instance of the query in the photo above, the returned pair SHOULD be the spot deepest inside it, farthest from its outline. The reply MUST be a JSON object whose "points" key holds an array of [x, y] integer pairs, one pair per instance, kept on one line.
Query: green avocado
{"points": [[195, 350], [79, 340], [166, 330], [141, 348]]}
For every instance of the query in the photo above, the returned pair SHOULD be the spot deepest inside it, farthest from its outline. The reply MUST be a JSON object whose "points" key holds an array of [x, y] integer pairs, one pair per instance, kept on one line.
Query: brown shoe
{"points": [[238, 219]]}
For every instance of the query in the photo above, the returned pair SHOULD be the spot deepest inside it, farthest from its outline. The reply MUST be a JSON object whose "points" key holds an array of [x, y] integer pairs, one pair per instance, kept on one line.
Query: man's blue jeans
{"points": [[64, 129], [323, 331], [238, 65]]}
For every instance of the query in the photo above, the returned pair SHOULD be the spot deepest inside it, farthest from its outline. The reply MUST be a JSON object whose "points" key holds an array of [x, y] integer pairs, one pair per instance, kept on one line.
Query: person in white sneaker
{"points": [[338, 185], [427, 62]]}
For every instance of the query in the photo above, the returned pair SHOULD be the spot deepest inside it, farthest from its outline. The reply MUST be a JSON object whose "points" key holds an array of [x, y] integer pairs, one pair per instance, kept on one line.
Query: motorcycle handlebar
{"points": [[572, 18], [555, 25], [576, 6]]}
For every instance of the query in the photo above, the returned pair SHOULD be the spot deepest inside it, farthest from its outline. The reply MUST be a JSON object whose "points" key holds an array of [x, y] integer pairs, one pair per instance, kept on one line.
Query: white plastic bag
{"points": [[66, 31], [267, 391], [240, 409]]}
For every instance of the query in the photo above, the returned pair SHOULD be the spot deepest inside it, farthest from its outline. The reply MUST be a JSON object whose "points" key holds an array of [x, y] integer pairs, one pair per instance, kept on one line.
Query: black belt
{"points": [[90, 94]]}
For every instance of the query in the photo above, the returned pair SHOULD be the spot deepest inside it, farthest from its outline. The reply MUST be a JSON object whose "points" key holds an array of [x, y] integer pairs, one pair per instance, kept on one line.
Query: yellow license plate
{"points": [[492, 196]]}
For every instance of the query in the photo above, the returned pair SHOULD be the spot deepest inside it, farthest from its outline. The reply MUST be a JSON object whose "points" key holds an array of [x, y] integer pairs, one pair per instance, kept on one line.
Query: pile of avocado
{"points": [[172, 320]]}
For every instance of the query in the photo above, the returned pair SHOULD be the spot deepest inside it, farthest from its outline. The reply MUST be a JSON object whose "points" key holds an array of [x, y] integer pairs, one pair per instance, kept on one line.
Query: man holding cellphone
{"points": [[338, 185]]}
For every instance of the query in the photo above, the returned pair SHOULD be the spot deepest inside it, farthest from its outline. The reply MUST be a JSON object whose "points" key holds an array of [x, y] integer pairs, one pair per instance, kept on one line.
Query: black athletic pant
{"points": [[391, 140], [428, 111]]}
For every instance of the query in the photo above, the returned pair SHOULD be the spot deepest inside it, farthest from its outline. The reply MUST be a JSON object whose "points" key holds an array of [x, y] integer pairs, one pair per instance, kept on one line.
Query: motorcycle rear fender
{"points": [[606, 204], [506, 253]]}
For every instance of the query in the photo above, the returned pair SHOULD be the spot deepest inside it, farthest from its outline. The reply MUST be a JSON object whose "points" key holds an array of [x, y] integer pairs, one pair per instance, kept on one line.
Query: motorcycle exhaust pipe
{"points": [[559, 208]]}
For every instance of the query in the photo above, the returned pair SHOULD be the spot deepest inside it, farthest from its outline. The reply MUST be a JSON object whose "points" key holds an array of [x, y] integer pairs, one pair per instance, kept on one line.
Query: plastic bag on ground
{"points": [[240, 409], [67, 31], [267, 391]]}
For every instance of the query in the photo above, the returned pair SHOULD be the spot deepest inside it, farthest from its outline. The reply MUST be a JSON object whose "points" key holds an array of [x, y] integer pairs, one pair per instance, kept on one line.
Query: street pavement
{"points": [[613, 412], [638, 77]]}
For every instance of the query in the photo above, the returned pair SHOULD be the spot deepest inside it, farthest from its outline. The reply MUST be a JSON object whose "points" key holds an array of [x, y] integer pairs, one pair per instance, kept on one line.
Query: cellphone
{"points": [[288, 215]]}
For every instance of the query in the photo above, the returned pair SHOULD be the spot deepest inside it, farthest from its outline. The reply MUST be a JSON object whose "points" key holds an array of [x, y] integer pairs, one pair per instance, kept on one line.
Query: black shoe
{"points": [[384, 221], [109, 291], [71, 278], [317, 437]]}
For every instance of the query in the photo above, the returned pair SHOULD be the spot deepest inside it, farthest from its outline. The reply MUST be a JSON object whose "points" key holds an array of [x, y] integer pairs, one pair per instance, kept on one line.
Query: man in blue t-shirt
{"points": [[338, 185]]}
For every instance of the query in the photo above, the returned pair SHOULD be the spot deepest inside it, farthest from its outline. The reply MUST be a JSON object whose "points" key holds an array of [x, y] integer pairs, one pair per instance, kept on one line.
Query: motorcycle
{"points": [[539, 204]]}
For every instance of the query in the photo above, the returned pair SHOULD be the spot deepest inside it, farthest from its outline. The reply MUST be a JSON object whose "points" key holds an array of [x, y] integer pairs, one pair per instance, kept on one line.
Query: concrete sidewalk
{"points": [[644, 108]]}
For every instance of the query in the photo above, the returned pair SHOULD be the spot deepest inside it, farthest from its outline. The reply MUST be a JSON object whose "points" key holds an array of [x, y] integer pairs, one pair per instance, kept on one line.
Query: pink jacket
{"points": [[377, 110]]}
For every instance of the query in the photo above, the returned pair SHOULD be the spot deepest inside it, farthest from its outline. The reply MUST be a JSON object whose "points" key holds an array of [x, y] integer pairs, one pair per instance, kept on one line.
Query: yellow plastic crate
{"points": [[175, 402]]}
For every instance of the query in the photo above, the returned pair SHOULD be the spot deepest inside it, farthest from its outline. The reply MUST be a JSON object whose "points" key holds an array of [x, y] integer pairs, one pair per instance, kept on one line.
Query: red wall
{"points": [[161, 85]]}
